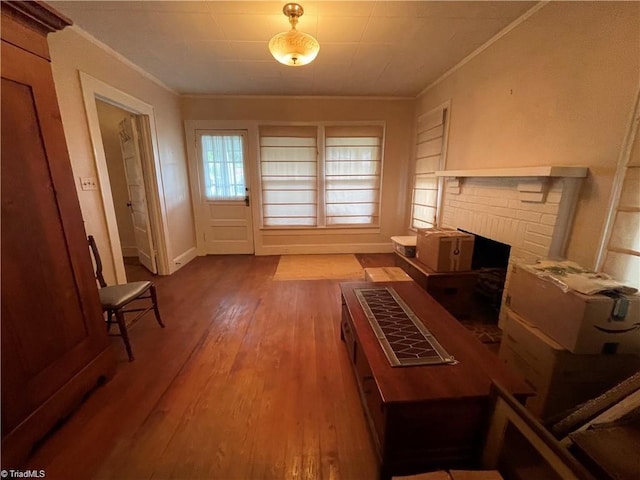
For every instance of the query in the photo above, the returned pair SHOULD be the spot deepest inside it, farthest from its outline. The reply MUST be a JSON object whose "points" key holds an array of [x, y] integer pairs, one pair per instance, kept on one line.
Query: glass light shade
{"points": [[294, 48]]}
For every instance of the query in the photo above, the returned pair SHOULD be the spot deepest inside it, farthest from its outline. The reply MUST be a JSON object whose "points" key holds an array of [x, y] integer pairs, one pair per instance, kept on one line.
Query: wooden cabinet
{"points": [[430, 416], [54, 344], [453, 290]]}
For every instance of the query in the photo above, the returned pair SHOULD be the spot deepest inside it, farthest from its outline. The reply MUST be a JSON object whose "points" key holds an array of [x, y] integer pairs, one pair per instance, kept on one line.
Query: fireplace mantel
{"points": [[543, 171]]}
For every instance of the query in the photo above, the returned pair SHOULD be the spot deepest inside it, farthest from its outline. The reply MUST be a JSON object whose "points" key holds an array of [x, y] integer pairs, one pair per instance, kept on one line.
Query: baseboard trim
{"points": [[181, 260], [324, 249], [129, 251]]}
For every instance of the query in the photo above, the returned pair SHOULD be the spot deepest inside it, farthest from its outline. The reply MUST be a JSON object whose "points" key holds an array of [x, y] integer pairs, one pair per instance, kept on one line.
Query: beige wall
{"points": [[110, 118], [249, 112], [72, 53], [559, 89]]}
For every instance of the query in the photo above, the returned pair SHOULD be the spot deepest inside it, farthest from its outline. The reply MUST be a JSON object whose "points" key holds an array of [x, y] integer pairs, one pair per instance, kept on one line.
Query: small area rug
{"points": [[318, 267]]}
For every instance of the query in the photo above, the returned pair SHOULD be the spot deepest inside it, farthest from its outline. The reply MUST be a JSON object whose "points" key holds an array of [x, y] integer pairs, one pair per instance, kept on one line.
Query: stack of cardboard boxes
{"points": [[442, 266], [570, 347]]}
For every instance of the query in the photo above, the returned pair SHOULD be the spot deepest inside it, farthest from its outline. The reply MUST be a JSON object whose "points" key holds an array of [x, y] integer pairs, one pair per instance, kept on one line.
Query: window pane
{"points": [[368, 220], [289, 196], [630, 196], [427, 164], [352, 183], [626, 231], [361, 182], [223, 166], [345, 196], [425, 197], [289, 222], [429, 148], [428, 159], [351, 209], [288, 166], [423, 214], [294, 169], [347, 168], [285, 211], [421, 224]]}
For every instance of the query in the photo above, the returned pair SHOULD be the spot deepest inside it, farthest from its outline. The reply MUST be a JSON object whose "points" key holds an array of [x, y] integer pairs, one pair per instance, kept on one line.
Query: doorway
{"points": [[92, 90], [124, 148], [224, 216]]}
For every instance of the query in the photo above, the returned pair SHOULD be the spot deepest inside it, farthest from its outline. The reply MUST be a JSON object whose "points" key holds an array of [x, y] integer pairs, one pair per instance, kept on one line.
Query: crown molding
{"points": [[110, 51], [525, 16]]}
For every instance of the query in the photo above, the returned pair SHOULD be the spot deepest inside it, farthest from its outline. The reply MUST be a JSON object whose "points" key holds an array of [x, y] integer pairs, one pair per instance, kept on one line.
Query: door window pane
{"points": [[223, 167]]}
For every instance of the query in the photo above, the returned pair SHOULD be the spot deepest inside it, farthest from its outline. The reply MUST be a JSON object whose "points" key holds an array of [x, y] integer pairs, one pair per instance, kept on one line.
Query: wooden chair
{"points": [[116, 298]]}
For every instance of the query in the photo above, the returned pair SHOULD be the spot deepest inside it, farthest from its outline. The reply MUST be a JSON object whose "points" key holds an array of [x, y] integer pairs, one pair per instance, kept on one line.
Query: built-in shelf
{"points": [[545, 171]]}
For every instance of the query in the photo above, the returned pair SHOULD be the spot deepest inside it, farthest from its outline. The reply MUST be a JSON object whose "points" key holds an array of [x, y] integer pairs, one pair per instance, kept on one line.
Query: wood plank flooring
{"points": [[248, 380]]}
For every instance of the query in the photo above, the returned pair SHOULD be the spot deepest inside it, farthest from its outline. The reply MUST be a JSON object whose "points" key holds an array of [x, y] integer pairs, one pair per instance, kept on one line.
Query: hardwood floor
{"points": [[248, 380]]}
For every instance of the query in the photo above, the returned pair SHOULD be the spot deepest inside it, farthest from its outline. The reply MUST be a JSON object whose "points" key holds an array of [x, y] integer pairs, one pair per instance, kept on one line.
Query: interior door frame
{"points": [[191, 127], [92, 90]]}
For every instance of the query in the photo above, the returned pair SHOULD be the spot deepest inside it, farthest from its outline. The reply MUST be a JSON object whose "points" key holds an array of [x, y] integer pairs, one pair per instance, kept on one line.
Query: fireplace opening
{"points": [[490, 261]]}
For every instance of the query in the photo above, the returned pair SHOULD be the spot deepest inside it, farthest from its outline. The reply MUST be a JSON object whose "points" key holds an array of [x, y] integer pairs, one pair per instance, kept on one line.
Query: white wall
{"points": [[71, 53], [110, 118], [249, 112], [559, 89]]}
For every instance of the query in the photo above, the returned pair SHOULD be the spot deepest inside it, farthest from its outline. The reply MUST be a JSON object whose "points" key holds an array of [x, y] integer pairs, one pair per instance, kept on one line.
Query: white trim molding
{"points": [[304, 249], [542, 171], [525, 16], [181, 260], [93, 89], [121, 58]]}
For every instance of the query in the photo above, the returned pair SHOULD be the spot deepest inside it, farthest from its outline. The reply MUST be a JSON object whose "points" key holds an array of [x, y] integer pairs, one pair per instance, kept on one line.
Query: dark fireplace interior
{"points": [[490, 259]]}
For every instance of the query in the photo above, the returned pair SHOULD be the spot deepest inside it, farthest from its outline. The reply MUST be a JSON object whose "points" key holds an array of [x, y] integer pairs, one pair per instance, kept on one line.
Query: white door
{"points": [[224, 212], [130, 146]]}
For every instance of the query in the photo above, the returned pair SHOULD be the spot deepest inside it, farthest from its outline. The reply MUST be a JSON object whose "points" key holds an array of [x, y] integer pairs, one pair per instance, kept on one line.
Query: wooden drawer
{"points": [[372, 401]]}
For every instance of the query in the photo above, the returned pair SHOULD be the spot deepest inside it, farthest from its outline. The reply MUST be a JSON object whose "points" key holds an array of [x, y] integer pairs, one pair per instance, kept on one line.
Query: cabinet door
{"points": [[52, 324]]}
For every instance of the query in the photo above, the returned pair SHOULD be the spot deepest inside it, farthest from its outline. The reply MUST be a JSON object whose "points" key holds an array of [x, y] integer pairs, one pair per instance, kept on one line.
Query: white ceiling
{"points": [[372, 48]]}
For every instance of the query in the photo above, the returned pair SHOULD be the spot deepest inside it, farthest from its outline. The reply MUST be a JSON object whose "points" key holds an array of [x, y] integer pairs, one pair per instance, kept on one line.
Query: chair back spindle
{"points": [[96, 258]]}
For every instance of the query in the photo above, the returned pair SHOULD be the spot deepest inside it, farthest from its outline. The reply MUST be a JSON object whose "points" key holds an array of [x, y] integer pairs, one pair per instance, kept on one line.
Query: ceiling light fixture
{"points": [[293, 48]]}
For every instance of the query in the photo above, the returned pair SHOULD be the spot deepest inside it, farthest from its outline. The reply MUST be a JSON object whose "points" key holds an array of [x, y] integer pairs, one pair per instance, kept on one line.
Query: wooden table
{"points": [[423, 417]]}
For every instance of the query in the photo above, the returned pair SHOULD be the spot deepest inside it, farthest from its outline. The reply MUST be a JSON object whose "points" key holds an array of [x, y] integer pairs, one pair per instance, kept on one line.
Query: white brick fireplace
{"points": [[530, 209]]}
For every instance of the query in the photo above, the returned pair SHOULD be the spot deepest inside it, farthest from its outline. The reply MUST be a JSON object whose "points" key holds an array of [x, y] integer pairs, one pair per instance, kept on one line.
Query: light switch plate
{"points": [[88, 183]]}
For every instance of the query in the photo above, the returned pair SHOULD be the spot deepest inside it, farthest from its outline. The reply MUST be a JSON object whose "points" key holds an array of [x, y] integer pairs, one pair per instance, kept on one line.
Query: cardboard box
{"points": [[587, 324], [561, 379], [386, 274], [405, 246], [445, 250]]}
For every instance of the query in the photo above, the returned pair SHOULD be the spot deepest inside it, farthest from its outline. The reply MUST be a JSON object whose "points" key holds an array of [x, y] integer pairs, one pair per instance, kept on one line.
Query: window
{"points": [[430, 141], [352, 175], [222, 166], [288, 166], [622, 254], [335, 185]]}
